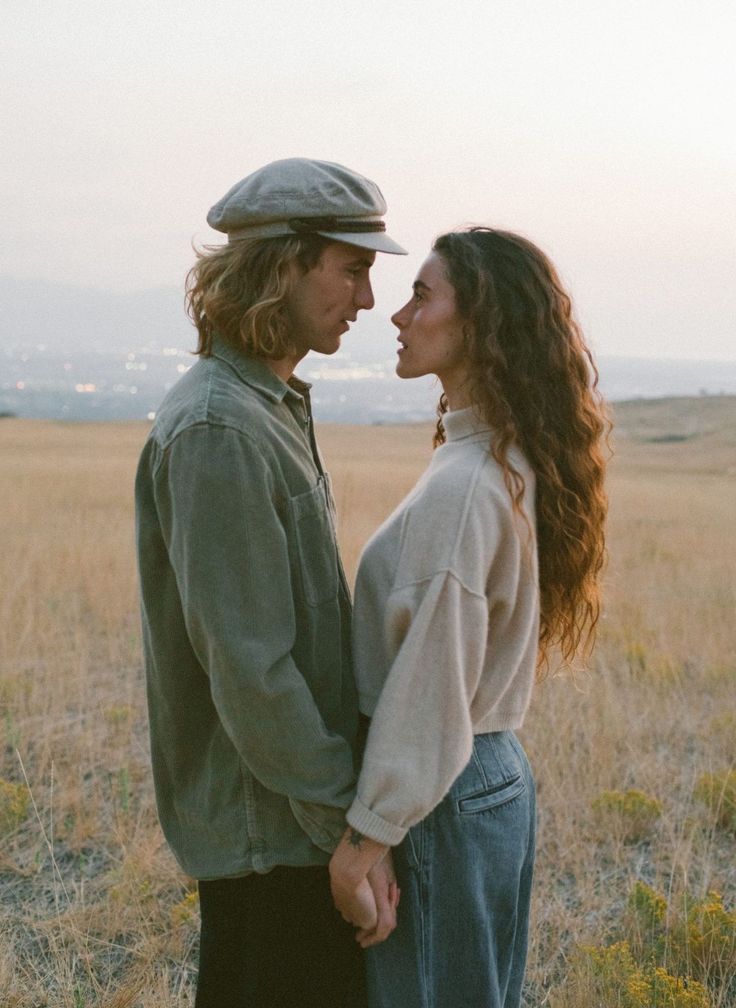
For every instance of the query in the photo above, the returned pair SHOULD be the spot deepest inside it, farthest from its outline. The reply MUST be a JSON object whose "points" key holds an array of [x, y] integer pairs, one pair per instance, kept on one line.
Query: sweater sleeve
{"points": [[421, 733]]}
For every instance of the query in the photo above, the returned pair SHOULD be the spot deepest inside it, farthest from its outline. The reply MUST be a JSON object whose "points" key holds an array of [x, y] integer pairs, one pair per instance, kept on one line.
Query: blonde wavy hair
{"points": [[534, 381], [239, 291]]}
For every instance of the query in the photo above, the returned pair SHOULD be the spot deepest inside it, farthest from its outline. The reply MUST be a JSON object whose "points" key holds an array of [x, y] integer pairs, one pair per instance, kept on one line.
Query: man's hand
{"points": [[357, 904], [382, 879], [360, 889]]}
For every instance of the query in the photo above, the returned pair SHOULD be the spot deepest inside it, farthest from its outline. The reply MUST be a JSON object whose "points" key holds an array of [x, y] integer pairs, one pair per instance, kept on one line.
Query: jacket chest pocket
{"points": [[315, 544]]}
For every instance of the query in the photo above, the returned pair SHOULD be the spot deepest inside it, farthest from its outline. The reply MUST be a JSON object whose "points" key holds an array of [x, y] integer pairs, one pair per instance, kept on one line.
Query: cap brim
{"points": [[378, 241]]}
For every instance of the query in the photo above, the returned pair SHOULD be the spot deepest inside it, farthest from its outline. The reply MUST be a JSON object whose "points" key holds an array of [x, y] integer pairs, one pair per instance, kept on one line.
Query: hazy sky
{"points": [[602, 130]]}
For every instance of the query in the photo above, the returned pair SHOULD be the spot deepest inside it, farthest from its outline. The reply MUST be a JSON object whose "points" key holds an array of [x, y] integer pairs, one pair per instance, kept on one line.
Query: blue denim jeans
{"points": [[465, 874]]}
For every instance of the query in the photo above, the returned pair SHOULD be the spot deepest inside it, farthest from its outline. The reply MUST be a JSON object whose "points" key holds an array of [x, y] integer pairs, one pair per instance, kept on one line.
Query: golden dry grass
{"points": [[94, 911]]}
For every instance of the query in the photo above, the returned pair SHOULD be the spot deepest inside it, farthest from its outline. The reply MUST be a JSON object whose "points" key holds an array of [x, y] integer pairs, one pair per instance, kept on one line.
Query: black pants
{"points": [[276, 941]]}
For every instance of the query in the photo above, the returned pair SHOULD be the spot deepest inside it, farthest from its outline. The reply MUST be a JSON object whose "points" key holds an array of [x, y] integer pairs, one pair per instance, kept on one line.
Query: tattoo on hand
{"points": [[355, 838]]}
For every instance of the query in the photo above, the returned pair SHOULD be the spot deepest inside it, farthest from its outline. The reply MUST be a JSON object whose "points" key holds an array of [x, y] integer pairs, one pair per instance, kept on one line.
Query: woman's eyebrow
{"points": [[420, 284]]}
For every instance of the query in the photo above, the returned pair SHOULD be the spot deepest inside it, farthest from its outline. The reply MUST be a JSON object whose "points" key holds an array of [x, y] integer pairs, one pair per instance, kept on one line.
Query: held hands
{"points": [[364, 886], [382, 880]]}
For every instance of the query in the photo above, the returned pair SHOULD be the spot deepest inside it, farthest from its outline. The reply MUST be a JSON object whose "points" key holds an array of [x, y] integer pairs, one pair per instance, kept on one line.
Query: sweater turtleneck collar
{"points": [[463, 423]]}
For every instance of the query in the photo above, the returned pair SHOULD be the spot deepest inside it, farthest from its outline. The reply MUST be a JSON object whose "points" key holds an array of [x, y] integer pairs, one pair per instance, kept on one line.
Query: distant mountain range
{"points": [[79, 354], [86, 319]]}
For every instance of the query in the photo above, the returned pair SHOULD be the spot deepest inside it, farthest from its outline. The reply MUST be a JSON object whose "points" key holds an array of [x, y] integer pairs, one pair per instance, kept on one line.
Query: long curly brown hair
{"points": [[534, 381]]}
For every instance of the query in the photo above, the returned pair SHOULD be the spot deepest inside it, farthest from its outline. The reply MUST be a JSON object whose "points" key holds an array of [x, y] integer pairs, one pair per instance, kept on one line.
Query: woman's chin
{"points": [[402, 371]]}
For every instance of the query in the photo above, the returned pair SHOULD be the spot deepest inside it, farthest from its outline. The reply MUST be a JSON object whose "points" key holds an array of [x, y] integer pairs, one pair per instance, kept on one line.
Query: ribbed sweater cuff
{"points": [[371, 825]]}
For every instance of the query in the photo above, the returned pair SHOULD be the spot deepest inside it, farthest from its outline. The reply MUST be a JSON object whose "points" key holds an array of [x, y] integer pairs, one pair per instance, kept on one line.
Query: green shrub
{"points": [[629, 816], [703, 940], [672, 956], [13, 805], [660, 988], [645, 921], [610, 976], [185, 911], [718, 792]]}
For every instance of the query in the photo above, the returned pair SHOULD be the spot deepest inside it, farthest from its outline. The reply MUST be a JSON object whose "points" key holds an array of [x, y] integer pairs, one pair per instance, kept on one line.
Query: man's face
{"points": [[324, 301]]}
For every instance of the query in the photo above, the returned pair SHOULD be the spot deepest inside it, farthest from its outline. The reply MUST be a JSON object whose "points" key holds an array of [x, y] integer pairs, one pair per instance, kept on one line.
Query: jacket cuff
{"points": [[323, 824], [360, 817]]}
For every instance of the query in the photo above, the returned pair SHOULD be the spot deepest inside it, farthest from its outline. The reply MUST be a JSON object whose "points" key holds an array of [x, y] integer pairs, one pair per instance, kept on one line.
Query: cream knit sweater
{"points": [[445, 629]]}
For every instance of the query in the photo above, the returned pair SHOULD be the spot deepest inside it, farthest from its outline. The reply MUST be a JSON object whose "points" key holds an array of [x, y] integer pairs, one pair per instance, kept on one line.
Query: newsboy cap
{"points": [[300, 196]]}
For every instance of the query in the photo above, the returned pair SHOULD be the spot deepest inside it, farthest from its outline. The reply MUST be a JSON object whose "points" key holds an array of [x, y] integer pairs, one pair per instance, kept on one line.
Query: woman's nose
{"points": [[399, 318]]}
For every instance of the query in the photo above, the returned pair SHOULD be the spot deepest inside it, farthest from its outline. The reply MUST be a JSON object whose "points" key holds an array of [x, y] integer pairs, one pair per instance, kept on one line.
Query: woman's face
{"points": [[430, 329]]}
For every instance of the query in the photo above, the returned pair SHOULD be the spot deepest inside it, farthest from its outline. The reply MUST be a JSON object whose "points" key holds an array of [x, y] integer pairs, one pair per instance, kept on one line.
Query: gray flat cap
{"points": [[301, 196]]}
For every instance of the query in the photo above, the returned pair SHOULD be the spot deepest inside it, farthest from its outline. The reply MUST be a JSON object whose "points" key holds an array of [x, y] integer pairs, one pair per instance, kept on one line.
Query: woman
{"points": [[489, 566]]}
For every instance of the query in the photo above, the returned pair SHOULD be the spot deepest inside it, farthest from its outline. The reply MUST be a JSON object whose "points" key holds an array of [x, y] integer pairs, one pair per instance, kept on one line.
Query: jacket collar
{"points": [[255, 372]]}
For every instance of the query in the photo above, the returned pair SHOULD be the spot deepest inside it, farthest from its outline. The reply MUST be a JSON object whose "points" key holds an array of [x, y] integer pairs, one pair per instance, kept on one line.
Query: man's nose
{"points": [[365, 297]]}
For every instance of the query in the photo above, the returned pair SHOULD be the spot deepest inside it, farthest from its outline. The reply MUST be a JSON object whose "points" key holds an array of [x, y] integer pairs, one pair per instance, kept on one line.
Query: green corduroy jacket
{"points": [[246, 617]]}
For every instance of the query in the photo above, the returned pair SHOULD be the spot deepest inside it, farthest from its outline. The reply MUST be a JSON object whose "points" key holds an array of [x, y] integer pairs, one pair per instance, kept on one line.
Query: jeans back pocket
{"points": [[493, 797]]}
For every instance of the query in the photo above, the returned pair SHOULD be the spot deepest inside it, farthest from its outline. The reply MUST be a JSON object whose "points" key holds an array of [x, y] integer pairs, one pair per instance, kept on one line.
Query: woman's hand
{"points": [[364, 893]]}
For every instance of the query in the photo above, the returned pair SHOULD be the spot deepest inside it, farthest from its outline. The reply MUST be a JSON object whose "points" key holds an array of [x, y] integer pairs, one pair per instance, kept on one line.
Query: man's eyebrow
{"points": [[362, 261]]}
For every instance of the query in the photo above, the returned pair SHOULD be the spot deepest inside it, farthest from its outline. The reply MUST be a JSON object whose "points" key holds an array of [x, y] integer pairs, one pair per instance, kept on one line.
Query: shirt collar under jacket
{"points": [[464, 423], [255, 372]]}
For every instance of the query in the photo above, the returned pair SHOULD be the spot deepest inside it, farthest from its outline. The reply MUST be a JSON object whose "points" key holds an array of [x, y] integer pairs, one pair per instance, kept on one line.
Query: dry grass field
{"points": [[635, 757]]}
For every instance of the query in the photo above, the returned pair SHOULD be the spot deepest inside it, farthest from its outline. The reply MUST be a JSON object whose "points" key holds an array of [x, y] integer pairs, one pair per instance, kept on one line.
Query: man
{"points": [[246, 612]]}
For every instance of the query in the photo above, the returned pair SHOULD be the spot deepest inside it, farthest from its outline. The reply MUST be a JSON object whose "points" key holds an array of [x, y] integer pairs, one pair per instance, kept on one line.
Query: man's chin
{"points": [[329, 346]]}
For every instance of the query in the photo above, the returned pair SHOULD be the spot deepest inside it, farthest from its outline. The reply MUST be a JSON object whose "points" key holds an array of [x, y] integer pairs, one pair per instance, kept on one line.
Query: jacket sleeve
{"points": [[228, 547]]}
